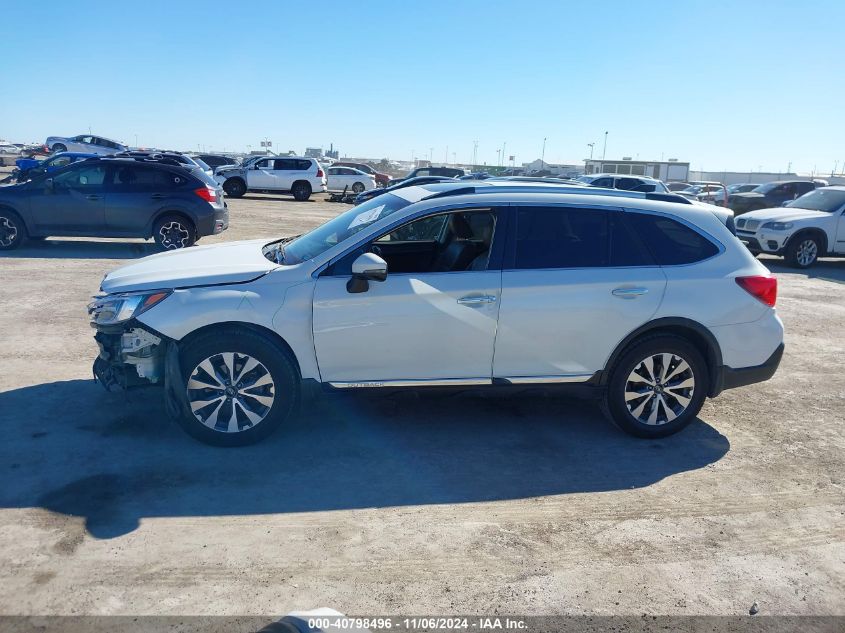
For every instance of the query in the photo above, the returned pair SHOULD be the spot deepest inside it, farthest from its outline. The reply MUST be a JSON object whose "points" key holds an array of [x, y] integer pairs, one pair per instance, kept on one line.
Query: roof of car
{"points": [[475, 194]]}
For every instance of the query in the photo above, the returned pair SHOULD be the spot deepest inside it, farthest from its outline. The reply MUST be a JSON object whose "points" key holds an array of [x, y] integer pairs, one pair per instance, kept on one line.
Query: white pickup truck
{"points": [[296, 175]]}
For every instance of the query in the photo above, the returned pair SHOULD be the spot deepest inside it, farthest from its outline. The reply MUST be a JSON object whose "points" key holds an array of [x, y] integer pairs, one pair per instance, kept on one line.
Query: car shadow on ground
{"points": [[114, 459], [55, 248], [826, 269]]}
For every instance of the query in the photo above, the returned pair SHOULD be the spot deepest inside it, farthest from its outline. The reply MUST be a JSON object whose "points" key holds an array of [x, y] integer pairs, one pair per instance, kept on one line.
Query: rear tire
{"points": [[803, 251], [301, 191], [173, 232], [257, 401], [12, 230], [234, 187], [657, 387], [59, 147]]}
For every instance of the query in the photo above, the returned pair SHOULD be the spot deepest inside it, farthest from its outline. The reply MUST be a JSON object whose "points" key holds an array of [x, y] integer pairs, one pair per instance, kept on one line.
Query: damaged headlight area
{"points": [[130, 355], [118, 308]]}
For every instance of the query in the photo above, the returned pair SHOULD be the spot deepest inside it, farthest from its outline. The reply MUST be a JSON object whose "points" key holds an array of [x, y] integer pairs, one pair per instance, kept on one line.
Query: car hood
{"points": [[784, 214], [229, 263]]}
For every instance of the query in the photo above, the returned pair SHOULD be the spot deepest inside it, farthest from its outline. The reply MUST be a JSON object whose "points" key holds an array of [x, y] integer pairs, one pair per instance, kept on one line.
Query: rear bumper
{"points": [[730, 378]]}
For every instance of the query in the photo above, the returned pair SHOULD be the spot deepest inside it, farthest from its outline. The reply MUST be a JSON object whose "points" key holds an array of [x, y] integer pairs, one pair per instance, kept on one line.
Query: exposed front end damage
{"points": [[129, 356]]}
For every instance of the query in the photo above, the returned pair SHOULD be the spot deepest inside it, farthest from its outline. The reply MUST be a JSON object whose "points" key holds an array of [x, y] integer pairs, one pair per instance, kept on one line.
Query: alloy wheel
{"points": [[174, 235], [230, 392], [807, 252], [659, 389], [8, 232]]}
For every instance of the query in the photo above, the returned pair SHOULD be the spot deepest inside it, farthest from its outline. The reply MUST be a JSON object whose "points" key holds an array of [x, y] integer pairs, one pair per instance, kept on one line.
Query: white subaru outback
{"points": [[803, 230], [650, 305]]}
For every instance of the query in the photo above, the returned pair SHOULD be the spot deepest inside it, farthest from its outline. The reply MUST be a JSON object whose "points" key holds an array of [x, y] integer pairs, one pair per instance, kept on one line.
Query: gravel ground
{"points": [[409, 505]]}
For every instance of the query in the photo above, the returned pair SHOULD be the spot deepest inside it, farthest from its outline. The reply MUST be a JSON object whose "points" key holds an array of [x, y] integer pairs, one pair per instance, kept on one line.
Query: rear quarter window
{"points": [[670, 242]]}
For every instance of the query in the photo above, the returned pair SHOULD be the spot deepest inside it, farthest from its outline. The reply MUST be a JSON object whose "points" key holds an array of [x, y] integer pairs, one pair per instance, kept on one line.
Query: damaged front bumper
{"points": [[130, 356]]}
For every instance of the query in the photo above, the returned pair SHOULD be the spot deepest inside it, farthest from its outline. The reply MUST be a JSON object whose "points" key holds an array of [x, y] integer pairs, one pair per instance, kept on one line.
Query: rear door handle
{"points": [[629, 293], [92, 197], [475, 300]]}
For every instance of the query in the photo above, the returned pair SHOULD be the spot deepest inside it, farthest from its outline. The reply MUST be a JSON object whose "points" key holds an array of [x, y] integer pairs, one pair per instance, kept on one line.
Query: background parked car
{"points": [[296, 175], [114, 197], [381, 179], [802, 230], [86, 143], [451, 172], [677, 186], [625, 182], [410, 182], [771, 194], [215, 160], [178, 157], [717, 195], [30, 167], [354, 180]]}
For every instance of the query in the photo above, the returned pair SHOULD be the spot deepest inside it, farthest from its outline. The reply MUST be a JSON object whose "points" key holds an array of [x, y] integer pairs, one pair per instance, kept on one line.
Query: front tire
{"points": [[234, 187], [657, 387], [173, 232], [301, 191], [357, 188], [12, 230], [241, 385], [803, 251]]}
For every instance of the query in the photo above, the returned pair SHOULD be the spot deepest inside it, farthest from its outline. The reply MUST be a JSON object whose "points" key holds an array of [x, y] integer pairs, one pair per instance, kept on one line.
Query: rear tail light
{"points": [[206, 193], [760, 287], [319, 172]]}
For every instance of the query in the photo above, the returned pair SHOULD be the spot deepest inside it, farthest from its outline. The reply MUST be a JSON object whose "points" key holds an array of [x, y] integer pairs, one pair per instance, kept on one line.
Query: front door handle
{"points": [[475, 300], [158, 196], [92, 196], [629, 293]]}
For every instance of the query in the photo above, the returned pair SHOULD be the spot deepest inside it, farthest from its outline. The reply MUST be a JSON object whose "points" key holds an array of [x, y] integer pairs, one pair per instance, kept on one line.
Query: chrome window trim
{"points": [[546, 380]]}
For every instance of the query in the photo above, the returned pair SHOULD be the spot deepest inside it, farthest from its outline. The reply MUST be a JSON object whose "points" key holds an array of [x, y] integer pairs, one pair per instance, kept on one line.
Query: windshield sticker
{"points": [[366, 217]]}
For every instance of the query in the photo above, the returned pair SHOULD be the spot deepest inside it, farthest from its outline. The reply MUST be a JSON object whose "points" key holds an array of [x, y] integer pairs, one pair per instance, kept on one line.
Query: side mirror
{"points": [[367, 267]]}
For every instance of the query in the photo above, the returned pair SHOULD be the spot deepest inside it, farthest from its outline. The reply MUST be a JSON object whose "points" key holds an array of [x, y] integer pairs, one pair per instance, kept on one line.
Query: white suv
{"points": [[296, 175], [803, 230], [651, 305]]}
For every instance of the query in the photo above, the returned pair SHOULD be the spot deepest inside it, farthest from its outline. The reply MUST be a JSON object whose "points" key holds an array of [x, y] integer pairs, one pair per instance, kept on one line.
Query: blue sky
{"points": [[724, 85]]}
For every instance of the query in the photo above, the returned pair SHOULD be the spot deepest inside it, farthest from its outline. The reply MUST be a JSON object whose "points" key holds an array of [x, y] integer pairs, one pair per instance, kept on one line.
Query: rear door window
{"points": [[670, 242], [137, 178], [561, 237], [285, 164], [603, 182]]}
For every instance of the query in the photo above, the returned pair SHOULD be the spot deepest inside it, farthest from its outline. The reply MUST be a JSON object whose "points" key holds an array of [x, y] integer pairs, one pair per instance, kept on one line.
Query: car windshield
{"points": [[201, 163], [345, 225], [827, 200]]}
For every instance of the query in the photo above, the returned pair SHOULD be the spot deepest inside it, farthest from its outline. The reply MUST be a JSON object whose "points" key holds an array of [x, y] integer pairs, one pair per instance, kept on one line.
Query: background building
{"points": [[667, 171]]}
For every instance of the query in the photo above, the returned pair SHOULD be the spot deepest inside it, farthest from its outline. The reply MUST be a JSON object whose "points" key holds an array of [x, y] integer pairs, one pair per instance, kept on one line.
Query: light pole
{"points": [[543, 153], [474, 153], [498, 157], [430, 154], [504, 145], [591, 145], [604, 151], [412, 156], [454, 158]]}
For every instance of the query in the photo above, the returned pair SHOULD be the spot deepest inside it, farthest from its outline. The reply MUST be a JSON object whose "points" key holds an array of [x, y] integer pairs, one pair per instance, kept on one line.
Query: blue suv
{"points": [[114, 197]]}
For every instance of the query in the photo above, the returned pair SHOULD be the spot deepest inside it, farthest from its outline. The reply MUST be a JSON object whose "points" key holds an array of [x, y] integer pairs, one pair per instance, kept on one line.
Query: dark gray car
{"points": [[115, 197]]}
